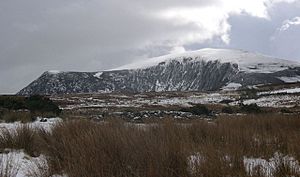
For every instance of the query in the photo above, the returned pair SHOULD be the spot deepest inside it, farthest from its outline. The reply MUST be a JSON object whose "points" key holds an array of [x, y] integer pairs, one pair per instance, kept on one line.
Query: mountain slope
{"points": [[202, 70]]}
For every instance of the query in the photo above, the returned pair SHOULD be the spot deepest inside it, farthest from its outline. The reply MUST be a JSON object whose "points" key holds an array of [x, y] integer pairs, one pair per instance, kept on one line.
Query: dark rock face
{"points": [[173, 76], [185, 75]]}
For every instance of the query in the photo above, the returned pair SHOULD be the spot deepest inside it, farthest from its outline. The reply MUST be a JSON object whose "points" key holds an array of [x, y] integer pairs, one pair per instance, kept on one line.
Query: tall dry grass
{"points": [[114, 148], [9, 167], [23, 137], [82, 148]]}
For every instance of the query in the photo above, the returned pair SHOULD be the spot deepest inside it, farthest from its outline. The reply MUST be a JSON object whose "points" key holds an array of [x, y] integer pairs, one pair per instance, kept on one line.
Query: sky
{"points": [[95, 35]]}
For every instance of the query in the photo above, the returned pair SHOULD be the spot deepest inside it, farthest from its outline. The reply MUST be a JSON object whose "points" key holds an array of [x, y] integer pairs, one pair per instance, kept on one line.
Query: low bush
{"points": [[285, 110], [12, 102], [250, 108], [14, 108], [227, 110], [198, 109], [37, 103], [226, 101]]}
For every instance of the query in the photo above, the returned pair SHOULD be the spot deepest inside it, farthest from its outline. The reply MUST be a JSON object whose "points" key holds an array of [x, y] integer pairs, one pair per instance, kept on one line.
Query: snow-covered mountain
{"points": [[202, 70]]}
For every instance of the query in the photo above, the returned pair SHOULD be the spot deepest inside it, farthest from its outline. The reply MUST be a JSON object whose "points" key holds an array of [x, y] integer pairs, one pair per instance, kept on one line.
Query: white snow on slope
{"points": [[98, 75], [247, 61], [276, 101], [290, 90], [54, 72], [231, 86], [290, 79]]}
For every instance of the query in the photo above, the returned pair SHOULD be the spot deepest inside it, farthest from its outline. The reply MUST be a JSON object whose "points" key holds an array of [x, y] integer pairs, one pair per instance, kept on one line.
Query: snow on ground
{"points": [[290, 90], [194, 161], [98, 75], [36, 124], [126, 102], [273, 101], [290, 79], [54, 72], [18, 164], [247, 61], [231, 86], [186, 101], [269, 166]]}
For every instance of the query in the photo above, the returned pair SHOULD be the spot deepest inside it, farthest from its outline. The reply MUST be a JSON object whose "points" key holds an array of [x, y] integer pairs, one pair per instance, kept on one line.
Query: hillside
{"points": [[202, 70]]}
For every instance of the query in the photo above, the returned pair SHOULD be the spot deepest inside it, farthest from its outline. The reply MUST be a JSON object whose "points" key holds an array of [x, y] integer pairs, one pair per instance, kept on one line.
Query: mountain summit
{"points": [[202, 70]]}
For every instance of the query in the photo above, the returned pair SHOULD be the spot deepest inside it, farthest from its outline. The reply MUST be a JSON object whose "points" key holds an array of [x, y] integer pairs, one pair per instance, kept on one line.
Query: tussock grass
{"points": [[8, 166], [82, 148], [14, 116], [23, 137]]}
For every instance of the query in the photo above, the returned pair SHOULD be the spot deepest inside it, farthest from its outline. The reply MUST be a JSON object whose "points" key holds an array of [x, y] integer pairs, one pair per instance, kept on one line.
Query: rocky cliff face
{"points": [[186, 72]]}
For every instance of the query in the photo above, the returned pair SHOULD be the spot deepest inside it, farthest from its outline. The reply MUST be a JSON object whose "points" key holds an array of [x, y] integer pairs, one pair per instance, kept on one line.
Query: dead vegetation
{"points": [[115, 148]]}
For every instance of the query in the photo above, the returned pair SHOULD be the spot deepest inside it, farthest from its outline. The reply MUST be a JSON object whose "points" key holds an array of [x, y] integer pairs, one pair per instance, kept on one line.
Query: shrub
{"points": [[12, 103], [250, 108], [249, 94], [226, 101], [285, 110], [37, 103], [228, 110], [198, 109]]}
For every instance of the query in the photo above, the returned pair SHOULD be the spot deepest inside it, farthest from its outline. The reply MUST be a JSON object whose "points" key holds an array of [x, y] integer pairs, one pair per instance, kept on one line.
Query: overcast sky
{"points": [[94, 35]]}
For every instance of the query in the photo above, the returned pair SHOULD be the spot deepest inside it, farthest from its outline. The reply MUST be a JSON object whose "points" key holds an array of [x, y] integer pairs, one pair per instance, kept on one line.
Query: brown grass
{"points": [[21, 138], [82, 148], [8, 167], [13, 116]]}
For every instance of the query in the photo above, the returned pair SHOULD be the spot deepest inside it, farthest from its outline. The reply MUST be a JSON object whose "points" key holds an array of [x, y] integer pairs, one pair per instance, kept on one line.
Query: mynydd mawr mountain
{"points": [[203, 70]]}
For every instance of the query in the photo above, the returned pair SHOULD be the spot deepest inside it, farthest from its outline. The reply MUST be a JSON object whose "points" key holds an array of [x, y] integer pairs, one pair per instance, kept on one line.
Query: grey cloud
{"points": [[263, 35], [95, 35]]}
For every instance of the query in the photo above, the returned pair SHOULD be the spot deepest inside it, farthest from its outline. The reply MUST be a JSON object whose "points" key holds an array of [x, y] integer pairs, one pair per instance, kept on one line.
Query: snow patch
{"points": [[19, 164], [290, 79], [231, 86], [247, 61], [54, 72], [291, 90], [276, 101], [98, 75], [194, 161], [269, 166], [50, 122]]}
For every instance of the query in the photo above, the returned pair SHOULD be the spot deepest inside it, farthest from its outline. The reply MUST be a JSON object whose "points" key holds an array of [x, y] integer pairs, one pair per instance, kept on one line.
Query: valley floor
{"points": [[247, 133]]}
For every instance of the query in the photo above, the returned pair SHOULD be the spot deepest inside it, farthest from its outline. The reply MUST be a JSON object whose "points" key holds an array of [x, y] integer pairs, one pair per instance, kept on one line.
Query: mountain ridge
{"points": [[202, 70]]}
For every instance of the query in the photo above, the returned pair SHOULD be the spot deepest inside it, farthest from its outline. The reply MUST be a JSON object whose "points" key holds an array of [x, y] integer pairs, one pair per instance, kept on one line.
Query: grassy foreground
{"points": [[168, 148]]}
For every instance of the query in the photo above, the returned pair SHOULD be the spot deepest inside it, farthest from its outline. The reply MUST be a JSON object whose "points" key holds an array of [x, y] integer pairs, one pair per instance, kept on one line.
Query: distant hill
{"points": [[203, 70]]}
